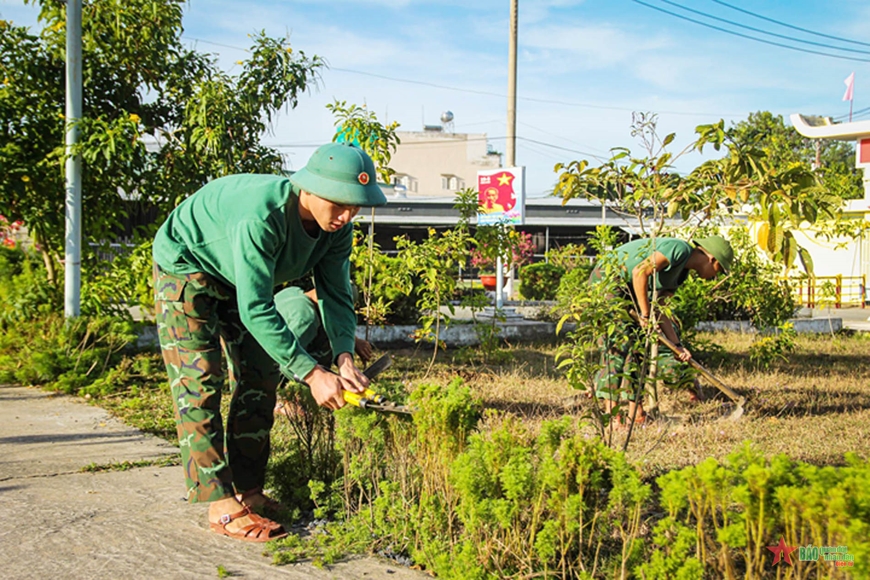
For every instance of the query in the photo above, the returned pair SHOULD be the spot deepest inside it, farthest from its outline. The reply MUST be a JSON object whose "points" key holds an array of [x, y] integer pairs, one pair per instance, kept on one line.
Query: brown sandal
{"points": [[260, 530]]}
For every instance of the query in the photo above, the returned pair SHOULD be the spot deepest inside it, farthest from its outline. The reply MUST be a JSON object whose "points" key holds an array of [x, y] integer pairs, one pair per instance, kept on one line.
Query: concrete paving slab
{"points": [[42, 434], [60, 522]]}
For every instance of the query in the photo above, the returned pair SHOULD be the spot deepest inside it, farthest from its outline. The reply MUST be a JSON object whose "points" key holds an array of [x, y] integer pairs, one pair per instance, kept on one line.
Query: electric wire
{"points": [[530, 99], [535, 128], [499, 95], [753, 29], [741, 35], [854, 114], [787, 25], [447, 142]]}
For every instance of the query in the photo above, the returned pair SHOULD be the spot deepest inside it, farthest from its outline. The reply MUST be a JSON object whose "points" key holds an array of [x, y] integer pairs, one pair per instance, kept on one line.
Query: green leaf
{"points": [[790, 250], [806, 260], [763, 236]]}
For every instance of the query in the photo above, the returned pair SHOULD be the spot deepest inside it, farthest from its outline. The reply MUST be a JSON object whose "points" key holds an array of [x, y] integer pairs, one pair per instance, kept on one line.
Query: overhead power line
{"points": [[855, 114], [741, 35], [444, 142], [787, 25], [530, 99], [499, 95], [759, 30]]}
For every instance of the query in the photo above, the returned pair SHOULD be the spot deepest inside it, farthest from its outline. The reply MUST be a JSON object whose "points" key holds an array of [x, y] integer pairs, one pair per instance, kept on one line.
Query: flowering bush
{"points": [[517, 245], [7, 231]]}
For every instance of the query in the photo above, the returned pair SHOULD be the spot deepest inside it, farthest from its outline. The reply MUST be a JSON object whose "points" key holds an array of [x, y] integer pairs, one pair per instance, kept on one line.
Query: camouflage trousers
{"points": [[623, 354], [198, 324]]}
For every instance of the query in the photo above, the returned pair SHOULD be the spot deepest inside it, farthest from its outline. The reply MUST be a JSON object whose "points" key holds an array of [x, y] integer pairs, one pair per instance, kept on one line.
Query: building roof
{"points": [[545, 211]]}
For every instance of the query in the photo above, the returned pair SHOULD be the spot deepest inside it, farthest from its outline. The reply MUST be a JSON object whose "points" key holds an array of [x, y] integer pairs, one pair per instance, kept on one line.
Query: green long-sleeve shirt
{"points": [[245, 231]]}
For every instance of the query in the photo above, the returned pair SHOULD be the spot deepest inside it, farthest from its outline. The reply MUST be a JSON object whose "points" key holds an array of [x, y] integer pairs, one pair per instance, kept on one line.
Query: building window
{"points": [[445, 182]]}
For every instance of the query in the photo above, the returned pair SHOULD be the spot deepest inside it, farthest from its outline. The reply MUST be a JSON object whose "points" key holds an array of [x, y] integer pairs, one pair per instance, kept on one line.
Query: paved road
{"points": [[58, 522]]}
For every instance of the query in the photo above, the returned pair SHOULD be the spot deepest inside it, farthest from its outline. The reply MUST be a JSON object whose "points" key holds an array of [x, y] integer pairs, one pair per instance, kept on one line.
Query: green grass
{"points": [[128, 465]]}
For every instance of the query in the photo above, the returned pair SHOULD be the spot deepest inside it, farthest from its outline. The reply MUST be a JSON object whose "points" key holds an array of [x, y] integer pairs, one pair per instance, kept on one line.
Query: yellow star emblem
{"points": [[505, 179]]}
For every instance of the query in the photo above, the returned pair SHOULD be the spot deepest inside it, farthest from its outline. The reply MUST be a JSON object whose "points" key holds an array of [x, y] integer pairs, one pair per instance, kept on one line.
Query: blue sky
{"points": [[584, 66]]}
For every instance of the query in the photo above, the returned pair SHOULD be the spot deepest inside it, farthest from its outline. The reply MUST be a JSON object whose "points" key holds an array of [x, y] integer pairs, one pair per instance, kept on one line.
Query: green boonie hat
{"points": [[341, 173], [719, 248]]}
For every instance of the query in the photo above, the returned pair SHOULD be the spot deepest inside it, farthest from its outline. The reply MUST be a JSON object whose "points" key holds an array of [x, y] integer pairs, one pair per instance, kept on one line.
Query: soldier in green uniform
{"points": [[668, 261], [218, 258]]}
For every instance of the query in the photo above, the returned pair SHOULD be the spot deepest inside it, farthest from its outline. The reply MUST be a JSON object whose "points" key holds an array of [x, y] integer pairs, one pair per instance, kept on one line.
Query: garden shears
{"points": [[369, 399]]}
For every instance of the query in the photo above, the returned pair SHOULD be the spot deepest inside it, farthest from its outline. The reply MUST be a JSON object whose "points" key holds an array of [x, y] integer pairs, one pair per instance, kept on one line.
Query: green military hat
{"points": [[719, 248], [342, 173]]}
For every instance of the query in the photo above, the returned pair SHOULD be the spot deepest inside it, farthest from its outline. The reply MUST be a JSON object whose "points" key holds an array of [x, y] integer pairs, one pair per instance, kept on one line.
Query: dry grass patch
{"points": [[814, 407]]}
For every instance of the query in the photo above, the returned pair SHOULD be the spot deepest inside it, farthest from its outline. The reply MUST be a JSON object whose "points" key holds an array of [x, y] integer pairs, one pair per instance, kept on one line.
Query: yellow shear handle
{"points": [[362, 399]]}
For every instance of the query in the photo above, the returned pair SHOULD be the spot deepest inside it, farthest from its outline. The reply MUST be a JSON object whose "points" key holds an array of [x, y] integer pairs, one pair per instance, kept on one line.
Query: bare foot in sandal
{"points": [[257, 500], [621, 421], [230, 518]]}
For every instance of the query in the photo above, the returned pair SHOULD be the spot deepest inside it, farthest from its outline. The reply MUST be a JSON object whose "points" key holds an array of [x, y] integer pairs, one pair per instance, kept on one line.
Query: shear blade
{"points": [[398, 409]]}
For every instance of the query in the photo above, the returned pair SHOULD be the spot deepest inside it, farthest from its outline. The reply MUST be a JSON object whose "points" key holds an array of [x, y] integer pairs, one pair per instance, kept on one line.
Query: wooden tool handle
{"points": [[707, 374]]}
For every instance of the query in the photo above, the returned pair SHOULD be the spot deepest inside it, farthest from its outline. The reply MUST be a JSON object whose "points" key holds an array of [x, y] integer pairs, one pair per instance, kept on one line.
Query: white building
{"points": [[845, 257], [436, 162]]}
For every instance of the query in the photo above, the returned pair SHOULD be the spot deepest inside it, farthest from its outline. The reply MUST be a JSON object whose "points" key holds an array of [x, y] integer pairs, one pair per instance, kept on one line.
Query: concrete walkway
{"points": [[857, 319], [61, 523]]}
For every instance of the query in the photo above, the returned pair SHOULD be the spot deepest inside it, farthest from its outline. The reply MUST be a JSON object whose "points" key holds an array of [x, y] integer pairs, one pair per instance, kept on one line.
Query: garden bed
{"points": [[813, 408]]}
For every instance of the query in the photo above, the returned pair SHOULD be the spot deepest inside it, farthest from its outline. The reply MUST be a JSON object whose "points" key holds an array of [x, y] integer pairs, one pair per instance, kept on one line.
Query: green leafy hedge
{"points": [[540, 281]]}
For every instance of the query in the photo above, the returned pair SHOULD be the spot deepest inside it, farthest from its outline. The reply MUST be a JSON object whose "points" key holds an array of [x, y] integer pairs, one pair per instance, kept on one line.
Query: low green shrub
{"points": [[540, 281], [754, 291], [111, 287], [108, 288], [67, 355], [568, 257], [556, 504], [383, 296], [480, 503], [739, 507], [91, 357], [25, 292], [573, 283]]}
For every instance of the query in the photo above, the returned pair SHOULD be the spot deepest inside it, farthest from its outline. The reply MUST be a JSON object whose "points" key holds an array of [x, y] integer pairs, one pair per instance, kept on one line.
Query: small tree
{"points": [[781, 199], [360, 126], [140, 85], [659, 201]]}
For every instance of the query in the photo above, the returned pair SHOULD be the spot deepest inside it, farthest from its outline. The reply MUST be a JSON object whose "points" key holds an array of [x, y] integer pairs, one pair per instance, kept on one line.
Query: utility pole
{"points": [[73, 242], [511, 145]]}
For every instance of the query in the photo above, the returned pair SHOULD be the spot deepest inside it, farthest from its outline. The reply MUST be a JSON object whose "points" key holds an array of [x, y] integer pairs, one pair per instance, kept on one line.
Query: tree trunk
{"points": [[51, 274]]}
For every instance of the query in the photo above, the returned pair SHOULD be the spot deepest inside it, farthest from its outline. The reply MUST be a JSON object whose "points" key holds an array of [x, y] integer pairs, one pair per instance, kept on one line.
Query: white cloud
{"points": [[597, 46]]}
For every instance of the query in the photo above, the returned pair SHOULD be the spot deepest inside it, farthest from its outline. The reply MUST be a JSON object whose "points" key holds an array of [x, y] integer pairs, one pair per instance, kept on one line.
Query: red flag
{"points": [[850, 87]]}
